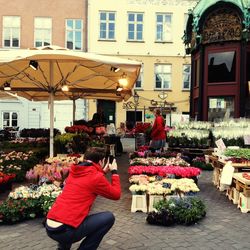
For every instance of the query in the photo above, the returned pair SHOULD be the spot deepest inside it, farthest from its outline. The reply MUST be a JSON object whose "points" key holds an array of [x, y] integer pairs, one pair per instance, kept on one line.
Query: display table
{"points": [[242, 188], [218, 166], [192, 152], [239, 191]]}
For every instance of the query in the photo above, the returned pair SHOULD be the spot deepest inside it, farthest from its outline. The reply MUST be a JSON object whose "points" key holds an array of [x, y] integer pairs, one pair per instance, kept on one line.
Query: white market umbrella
{"points": [[85, 74]]}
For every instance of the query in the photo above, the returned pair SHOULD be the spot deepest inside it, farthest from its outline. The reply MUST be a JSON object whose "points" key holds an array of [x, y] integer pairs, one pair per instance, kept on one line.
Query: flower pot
{"points": [[152, 200], [139, 203]]}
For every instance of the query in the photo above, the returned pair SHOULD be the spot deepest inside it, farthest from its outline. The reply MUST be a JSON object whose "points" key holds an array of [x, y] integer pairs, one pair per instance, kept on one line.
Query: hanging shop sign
{"points": [[223, 24]]}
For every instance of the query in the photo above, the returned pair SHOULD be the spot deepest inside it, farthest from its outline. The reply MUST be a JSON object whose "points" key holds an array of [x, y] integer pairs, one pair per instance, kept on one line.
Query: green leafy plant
{"points": [[185, 211], [14, 210]]}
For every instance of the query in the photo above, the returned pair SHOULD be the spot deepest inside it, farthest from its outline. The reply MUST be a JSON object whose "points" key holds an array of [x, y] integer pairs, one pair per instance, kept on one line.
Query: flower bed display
{"points": [[54, 171], [238, 155], [37, 132], [177, 171], [17, 163], [232, 132], [79, 129], [146, 153], [6, 181], [162, 186], [193, 125], [190, 138], [184, 211], [155, 161], [200, 162], [71, 143], [28, 202]]}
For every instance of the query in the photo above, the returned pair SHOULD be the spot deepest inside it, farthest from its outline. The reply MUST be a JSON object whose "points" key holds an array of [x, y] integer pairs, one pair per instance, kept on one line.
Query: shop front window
{"points": [[220, 108], [222, 67]]}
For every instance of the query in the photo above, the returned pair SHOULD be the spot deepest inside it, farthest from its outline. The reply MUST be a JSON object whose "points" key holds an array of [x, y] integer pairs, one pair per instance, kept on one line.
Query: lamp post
{"points": [[136, 102]]}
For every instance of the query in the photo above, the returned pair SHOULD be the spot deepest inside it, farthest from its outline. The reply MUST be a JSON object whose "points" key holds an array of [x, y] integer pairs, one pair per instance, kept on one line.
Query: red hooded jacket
{"points": [[158, 130], [84, 183]]}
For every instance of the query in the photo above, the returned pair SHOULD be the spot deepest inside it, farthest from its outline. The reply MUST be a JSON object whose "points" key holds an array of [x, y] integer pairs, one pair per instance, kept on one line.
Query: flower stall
{"points": [[28, 202], [239, 189], [155, 178], [17, 163], [54, 170]]}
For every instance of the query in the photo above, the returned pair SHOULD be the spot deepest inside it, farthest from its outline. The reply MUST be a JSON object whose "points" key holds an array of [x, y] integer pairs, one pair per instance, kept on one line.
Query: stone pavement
{"points": [[224, 227]]}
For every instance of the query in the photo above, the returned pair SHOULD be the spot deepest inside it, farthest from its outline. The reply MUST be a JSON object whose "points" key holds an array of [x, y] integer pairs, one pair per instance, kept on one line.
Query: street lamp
{"points": [[136, 102]]}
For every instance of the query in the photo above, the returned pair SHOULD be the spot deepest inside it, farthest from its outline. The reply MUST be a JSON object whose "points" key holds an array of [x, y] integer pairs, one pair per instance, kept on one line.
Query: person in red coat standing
{"points": [[158, 133], [68, 220]]}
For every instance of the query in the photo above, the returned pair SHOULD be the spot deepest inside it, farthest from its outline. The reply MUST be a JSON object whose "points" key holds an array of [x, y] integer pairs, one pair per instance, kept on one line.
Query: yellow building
{"points": [[149, 31]]}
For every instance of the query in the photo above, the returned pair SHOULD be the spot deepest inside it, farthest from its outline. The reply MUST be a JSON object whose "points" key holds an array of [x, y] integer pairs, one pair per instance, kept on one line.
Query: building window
{"points": [[163, 27], [138, 84], [11, 31], [186, 73], [107, 25], [222, 67], [220, 108], [43, 28], [10, 119], [163, 76], [135, 26], [74, 34]]}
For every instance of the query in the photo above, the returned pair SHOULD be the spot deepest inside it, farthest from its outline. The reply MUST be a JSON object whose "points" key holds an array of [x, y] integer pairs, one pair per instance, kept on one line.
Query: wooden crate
{"points": [[216, 176], [235, 195], [229, 193], [244, 203], [242, 185]]}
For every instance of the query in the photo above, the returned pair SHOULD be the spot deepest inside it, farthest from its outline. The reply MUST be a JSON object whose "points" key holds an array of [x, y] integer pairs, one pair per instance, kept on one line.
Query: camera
{"points": [[111, 158]]}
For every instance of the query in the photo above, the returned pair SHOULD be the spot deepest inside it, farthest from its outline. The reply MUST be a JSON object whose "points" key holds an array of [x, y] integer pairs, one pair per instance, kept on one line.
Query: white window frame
{"points": [[159, 69], [73, 30], [186, 75], [166, 34], [10, 119], [107, 23], [11, 29], [185, 21], [135, 23], [140, 78], [42, 28]]}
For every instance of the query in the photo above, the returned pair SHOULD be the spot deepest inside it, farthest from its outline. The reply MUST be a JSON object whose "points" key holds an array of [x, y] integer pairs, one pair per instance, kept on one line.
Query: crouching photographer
{"points": [[68, 220]]}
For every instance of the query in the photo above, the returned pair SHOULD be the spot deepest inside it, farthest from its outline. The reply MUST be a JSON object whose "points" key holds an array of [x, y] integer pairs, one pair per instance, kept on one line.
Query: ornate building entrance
{"points": [[217, 37]]}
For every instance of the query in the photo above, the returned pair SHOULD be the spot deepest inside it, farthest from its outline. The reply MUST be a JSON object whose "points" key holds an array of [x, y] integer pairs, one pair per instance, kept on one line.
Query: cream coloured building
{"points": [[149, 31]]}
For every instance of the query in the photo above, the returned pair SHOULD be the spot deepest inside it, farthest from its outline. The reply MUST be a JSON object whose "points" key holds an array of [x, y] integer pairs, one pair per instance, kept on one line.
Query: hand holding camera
{"points": [[110, 166], [113, 165]]}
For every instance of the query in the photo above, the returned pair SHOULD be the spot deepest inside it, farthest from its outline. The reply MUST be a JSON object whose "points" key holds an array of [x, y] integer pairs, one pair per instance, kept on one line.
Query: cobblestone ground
{"points": [[224, 227]]}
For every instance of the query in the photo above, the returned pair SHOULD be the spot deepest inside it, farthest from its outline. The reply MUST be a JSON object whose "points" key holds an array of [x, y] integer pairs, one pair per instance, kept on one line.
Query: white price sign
{"points": [[247, 139], [220, 145]]}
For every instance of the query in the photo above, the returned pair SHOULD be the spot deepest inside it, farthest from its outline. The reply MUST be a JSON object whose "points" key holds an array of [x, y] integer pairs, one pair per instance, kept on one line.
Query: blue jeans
{"points": [[93, 228]]}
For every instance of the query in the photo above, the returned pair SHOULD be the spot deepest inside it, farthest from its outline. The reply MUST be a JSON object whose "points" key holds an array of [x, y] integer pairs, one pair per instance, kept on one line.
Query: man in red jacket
{"points": [[68, 220], [158, 133]]}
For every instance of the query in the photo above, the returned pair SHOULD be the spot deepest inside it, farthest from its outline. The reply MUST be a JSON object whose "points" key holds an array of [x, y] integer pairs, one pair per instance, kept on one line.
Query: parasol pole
{"points": [[74, 110], [51, 108]]}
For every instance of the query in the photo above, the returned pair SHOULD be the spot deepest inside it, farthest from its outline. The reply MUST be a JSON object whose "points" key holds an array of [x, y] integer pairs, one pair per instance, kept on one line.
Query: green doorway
{"points": [[108, 109]]}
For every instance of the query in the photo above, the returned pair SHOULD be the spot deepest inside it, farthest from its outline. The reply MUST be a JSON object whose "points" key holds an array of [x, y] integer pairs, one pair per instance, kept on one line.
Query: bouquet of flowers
{"points": [[79, 129], [187, 172], [144, 128]]}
